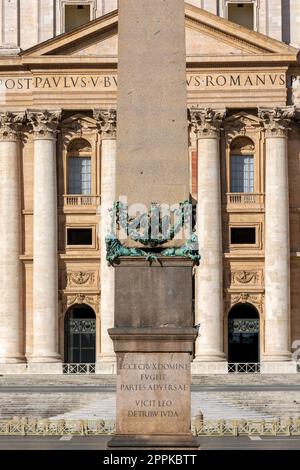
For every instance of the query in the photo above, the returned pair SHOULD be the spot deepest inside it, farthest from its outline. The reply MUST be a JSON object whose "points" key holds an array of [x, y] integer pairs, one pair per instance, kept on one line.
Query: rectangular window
{"points": [[241, 13], [76, 15], [80, 175], [242, 173], [242, 235], [79, 236]]}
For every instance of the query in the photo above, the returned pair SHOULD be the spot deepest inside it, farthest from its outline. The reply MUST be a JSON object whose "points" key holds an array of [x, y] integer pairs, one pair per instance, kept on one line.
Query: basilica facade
{"points": [[58, 129]]}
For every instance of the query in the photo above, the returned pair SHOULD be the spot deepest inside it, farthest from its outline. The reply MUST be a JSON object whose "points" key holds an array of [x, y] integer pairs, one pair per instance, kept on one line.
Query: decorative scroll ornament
{"points": [[206, 122], [106, 120], [44, 123], [239, 125], [81, 278], [80, 299], [245, 297], [242, 298], [276, 121], [10, 125], [245, 277]]}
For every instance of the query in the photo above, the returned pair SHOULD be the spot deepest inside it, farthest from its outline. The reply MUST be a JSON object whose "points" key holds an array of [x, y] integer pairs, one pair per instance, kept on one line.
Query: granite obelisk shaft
{"points": [[152, 145]]}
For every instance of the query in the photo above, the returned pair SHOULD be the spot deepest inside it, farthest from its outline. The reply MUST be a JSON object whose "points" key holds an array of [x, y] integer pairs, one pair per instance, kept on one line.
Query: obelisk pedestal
{"points": [[153, 339]]}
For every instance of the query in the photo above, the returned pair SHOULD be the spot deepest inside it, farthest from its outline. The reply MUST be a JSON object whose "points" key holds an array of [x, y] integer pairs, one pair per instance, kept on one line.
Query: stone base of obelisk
{"points": [[153, 340], [159, 442]]}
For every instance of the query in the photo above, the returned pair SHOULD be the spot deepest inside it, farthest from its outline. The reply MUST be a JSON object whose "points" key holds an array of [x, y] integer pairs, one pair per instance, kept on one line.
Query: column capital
{"points": [[206, 122], [44, 123], [10, 125], [106, 120], [276, 121]]}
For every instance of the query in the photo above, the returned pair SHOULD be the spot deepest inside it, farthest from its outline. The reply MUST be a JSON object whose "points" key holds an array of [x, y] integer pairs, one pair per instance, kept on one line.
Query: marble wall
{"points": [[25, 23]]}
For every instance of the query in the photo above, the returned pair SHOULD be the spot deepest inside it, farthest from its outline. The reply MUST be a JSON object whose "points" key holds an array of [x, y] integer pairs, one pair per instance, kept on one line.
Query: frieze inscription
{"points": [[212, 80]]}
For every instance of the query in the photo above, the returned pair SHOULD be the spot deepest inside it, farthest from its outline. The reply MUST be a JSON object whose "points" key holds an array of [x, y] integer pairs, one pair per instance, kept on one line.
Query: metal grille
{"points": [[80, 341], [244, 325], [82, 326], [244, 368], [79, 369]]}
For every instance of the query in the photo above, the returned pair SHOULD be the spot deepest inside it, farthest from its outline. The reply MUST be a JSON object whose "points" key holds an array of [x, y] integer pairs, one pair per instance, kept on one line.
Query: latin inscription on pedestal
{"points": [[153, 393]]}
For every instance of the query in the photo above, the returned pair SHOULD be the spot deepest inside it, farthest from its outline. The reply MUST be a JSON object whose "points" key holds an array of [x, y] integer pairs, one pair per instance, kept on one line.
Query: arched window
{"points": [[243, 334], [242, 166], [80, 335], [79, 167]]}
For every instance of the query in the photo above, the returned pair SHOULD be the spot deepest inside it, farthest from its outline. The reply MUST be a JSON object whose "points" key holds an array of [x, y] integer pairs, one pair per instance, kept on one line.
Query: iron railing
{"points": [[244, 368], [79, 369], [73, 200], [286, 426]]}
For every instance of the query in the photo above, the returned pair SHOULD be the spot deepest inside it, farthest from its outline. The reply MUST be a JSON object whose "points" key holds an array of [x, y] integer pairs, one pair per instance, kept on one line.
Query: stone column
{"points": [[106, 123], [209, 279], [277, 241], [10, 230], [45, 270]]}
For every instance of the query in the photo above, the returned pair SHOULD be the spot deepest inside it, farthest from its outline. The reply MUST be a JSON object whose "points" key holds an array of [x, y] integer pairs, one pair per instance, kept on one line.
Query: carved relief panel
{"points": [[244, 278]]}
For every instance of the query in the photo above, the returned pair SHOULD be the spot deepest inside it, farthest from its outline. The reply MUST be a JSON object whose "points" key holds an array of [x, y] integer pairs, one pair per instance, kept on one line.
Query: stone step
{"points": [[32, 380], [108, 380], [101, 405]]}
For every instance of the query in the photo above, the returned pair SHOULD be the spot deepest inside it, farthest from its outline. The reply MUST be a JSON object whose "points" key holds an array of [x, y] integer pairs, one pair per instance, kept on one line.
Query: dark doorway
{"points": [[80, 335], [243, 334]]}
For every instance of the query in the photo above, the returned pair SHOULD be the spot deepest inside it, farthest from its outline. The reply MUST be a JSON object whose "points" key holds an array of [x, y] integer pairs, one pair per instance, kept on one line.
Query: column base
{"points": [[12, 360], [133, 441], [278, 367], [202, 367], [210, 356], [44, 359], [275, 357], [106, 365]]}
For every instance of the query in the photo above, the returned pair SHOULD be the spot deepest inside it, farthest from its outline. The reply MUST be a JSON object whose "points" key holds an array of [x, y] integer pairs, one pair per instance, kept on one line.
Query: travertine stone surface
{"points": [[45, 272], [78, 72], [28, 22], [209, 308], [106, 120], [294, 24], [10, 239], [277, 237], [152, 157]]}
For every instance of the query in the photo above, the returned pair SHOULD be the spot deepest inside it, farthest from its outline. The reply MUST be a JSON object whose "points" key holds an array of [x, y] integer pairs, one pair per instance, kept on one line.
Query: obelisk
{"points": [[153, 334]]}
